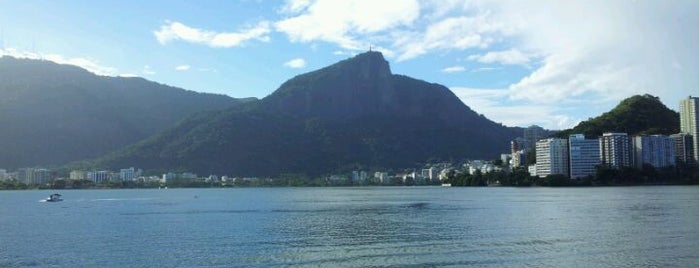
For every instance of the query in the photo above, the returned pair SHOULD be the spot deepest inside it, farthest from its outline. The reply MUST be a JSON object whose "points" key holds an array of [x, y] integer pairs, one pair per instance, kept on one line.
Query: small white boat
{"points": [[54, 198], [446, 184]]}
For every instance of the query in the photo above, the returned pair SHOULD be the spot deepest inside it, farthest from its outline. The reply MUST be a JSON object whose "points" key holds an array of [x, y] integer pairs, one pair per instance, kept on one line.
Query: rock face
{"points": [[364, 86], [51, 114], [352, 114]]}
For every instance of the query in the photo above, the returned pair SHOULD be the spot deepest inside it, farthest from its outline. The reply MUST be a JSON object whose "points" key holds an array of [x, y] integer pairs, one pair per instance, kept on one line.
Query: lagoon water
{"points": [[353, 227]]}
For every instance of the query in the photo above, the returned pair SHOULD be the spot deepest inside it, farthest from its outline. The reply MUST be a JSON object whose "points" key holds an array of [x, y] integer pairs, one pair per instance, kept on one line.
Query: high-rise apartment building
{"points": [[615, 150], [584, 156], [551, 157], [34, 175], [517, 151], [689, 122], [683, 147], [657, 150]]}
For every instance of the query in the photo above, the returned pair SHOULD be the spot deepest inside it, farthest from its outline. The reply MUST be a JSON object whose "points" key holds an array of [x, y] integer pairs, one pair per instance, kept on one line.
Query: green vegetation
{"points": [[353, 113], [681, 174], [635, 115], [52, 114]]}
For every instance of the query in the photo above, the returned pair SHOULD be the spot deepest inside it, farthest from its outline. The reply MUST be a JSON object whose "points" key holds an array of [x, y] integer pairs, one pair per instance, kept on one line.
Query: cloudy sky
{"points": [[551, 63]]}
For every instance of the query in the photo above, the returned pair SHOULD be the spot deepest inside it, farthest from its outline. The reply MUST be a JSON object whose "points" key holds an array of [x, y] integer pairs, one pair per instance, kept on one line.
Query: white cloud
{"points": [[346, 23], [459, 33], [490, 103], [507, 57], [147, 70], [577, 50], [605, 50], [174, 31], [454, 69], [343, 53], [128, 75], [91, 65], [183, 67], [295, 6], [295, 63], [484, 69]]}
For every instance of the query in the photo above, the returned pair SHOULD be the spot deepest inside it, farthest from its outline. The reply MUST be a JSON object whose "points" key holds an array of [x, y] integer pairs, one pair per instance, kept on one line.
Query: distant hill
{"points": [[51, 114], [352, 114], [635, 115]]}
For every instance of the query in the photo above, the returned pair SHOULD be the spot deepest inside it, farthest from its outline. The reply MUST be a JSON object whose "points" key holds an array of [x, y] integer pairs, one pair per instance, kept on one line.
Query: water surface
{"points": [[353, 227]]}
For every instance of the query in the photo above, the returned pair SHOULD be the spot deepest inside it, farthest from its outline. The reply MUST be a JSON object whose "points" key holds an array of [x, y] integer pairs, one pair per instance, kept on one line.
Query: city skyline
{"points": [[551, 64]]}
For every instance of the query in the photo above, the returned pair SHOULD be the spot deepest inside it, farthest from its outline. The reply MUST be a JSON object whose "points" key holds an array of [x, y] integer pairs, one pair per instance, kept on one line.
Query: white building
{"points": [[444, 174], [689, 122], [532, 170], [168, 177], [584, 156], [99, 176], [431, 174], [78, 175], [518, 158], [34, 175], [551, 157]]}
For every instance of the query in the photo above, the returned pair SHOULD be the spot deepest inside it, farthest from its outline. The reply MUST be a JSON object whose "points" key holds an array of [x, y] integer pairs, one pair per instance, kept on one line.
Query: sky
{"points": [[549, 63]]}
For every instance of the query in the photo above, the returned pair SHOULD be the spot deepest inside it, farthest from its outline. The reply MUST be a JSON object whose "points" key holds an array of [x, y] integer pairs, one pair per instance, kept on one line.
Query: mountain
{"points": [[52, 114], [352, 114], [638, 114]]}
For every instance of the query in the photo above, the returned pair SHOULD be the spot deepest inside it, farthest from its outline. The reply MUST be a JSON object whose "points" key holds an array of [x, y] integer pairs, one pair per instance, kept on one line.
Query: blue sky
{"points": [[551, 63]]}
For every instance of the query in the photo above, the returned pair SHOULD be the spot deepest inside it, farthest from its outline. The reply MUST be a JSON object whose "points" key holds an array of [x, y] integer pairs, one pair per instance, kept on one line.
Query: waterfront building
{"points": [[34, 175], [3, 174], [683, 147], [551, 157], [78, 175], [584, 156], [615, 150], [127, 174], [532, 170], [168, 177], [382, 177], [518, 158], [432, 174], [518, 149], [99, 176], [359, 176], [657, 150], [689, 122], [505, 159], [444, 174], [188, 175]]}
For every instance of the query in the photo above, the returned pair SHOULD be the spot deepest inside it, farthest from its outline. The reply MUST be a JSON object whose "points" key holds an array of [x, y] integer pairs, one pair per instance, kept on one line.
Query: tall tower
{"points": [[615, 150], [552, 157], [584, 156], [689, 110]]}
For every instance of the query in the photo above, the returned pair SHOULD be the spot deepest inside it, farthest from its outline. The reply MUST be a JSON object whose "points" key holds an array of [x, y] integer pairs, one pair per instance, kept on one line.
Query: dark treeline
{"points": [[681, 174]]}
